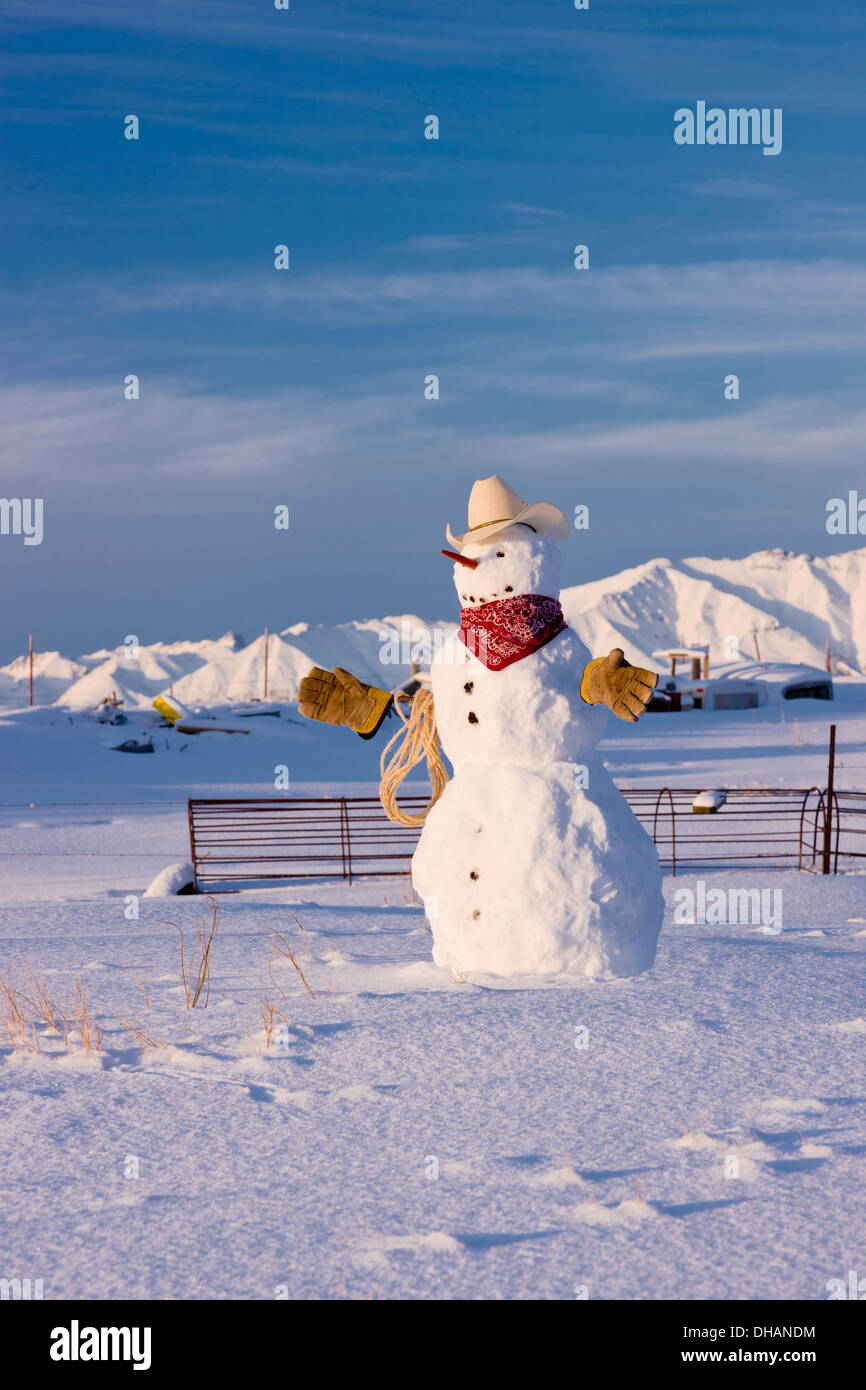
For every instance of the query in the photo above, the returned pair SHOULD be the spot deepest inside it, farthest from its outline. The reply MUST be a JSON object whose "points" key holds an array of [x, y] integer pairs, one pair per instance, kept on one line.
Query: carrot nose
{"points": [[461, 559]]}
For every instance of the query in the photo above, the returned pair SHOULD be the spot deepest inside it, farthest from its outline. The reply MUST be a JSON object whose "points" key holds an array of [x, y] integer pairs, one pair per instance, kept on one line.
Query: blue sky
{"points": [[411, 257]]}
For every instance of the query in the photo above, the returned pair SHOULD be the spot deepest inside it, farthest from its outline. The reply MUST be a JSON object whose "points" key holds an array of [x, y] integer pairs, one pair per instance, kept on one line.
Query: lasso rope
{"points": [[419, 739]]}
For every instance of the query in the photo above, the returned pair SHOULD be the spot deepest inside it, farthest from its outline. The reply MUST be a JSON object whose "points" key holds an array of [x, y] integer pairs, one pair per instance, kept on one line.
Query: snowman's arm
{"points": [[611, 680], [408, 688], [338, 697]]}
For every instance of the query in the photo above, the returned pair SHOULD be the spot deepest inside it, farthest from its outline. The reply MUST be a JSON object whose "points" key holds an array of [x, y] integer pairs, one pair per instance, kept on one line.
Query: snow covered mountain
{"points": [[136, 674], [775, 603], [53, 674], [379, 651]]}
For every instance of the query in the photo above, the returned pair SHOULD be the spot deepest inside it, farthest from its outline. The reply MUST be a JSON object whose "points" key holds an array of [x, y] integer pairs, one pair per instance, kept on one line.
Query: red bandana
{"points": [[505, 631]]}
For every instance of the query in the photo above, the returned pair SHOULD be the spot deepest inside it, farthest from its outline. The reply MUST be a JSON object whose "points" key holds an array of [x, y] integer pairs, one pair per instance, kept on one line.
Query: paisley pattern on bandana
{"points": [[505, 631]]}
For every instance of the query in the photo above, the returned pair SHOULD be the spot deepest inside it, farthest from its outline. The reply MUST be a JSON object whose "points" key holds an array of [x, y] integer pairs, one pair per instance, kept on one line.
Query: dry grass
{"points": [[141, 1036], [41, 1005], [13, 1019], [302, 930], [410, 897], [282, 950], [22, 1009], [88, 1029], [196, 974], [454, 970], [138, 985], [267, 1011]]}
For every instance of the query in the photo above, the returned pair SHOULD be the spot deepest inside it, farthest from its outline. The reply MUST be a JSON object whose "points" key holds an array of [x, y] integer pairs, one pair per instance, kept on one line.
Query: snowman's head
{"points": [[517, 560]]}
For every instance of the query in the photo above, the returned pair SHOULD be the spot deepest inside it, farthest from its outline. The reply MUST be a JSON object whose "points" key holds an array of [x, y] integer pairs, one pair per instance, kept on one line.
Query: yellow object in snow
{"points": [[166, 710]]}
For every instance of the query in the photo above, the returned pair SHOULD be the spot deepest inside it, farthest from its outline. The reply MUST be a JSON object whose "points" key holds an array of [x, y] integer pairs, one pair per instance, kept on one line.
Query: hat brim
{"points": [[541, 516]]}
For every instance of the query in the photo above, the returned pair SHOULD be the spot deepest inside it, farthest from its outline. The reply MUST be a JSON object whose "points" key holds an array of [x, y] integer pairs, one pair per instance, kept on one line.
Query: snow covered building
{"points": [[750, 684], [698, 657]]}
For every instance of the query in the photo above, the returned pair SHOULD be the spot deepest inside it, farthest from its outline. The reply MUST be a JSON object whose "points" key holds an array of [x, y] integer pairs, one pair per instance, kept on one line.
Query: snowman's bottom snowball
{"points": [[523, 872]]}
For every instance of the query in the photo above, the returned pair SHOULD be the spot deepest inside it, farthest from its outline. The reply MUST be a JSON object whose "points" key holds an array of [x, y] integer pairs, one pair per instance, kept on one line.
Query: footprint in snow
{"points": [[271, 1095], [358, 1094]]}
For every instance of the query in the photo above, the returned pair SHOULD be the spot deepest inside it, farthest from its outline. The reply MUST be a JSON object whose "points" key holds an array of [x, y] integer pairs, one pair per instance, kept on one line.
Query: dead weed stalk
{"points": [[140, 1034], [88, 1029], [196, 974], [40, 1003], [282, 950], [13, 1019]]}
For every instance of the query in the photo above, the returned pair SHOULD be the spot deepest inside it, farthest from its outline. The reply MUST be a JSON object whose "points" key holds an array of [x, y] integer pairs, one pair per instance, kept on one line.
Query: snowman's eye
{"points": [[500, 554], [508, 589]]}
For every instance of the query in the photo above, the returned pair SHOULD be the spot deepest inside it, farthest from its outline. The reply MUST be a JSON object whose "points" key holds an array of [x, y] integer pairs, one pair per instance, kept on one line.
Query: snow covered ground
{"points": [[698, 1131]]}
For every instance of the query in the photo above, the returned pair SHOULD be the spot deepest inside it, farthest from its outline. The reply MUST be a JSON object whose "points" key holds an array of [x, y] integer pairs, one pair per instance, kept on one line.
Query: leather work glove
{"points": [[611, 680], [338, 697]]}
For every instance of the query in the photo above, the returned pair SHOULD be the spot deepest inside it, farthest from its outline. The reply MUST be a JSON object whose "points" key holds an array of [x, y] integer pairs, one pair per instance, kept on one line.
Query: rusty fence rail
{"points": [[776, 826], [244, 840], [239, 841], [848, 827]]}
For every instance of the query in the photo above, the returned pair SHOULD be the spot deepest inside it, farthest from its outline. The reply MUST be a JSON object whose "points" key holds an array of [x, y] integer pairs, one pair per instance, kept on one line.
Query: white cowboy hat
{"points": [[493, 505]]}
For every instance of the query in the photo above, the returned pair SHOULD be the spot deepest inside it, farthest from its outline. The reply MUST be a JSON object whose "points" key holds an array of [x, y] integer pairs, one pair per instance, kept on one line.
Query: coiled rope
{"points": [[419, 738]]}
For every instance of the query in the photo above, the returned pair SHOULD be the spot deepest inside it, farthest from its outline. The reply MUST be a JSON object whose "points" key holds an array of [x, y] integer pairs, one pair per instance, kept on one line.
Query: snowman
{"points": [[531, 862]]}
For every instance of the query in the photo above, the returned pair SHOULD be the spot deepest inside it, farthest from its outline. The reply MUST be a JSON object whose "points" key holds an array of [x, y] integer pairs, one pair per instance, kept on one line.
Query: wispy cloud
{"points": [[92, 435], [736, 188], [87, 437], [817, 69], [785, 435], [527, 211], [452, 34], [649, 309]]}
